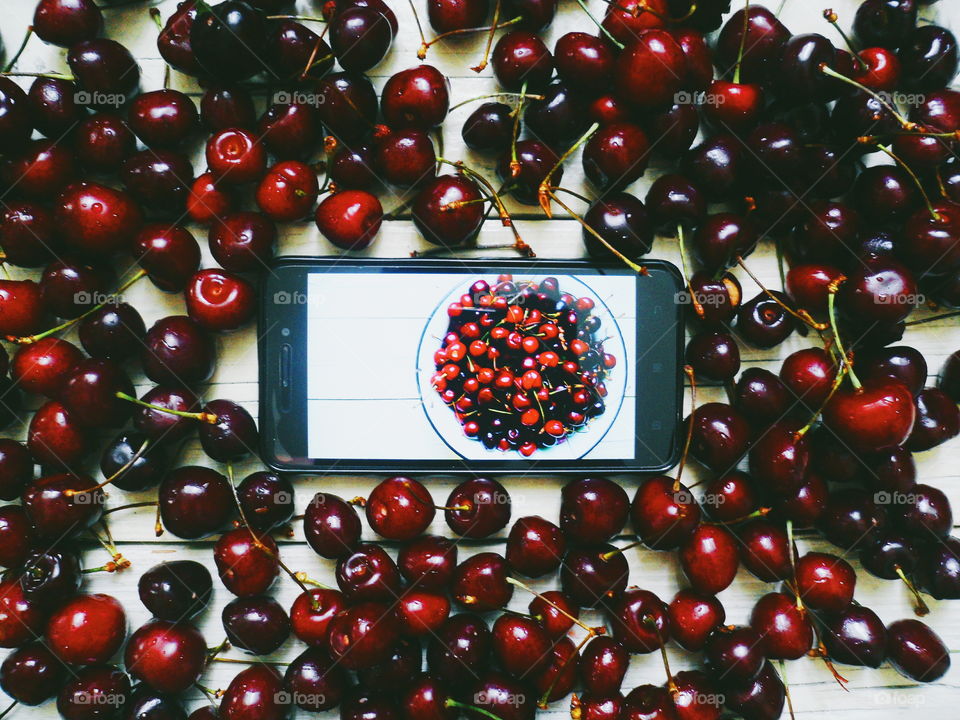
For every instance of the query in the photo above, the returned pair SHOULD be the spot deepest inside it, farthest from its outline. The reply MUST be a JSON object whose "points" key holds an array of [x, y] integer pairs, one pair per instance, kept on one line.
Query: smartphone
{"points": [[487, 366]]}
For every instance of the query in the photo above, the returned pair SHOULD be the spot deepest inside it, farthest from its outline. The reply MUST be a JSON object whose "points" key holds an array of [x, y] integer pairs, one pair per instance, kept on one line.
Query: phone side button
{"points": [[286, 382]]}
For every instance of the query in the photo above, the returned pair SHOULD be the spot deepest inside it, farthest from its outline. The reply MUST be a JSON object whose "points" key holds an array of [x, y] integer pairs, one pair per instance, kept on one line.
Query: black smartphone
{"points": [[486, 366]]}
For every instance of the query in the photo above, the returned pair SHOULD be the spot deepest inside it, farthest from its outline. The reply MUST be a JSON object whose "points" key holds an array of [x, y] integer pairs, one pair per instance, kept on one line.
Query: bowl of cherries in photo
{"points": [[522, 366]]}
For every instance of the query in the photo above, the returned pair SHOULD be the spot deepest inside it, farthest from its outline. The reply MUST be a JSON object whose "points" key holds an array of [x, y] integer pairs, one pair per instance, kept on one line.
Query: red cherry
{"points": [[311, 613], [235, 156], [709, 558], [20, 619], [693, 617], [650, 69], [877, 416], [87, 629], [219, 300], [288, 191], [350, 219], [206, 202], [167, 656], [825, 582], [247, 563], [400, 508], [95, 219]]}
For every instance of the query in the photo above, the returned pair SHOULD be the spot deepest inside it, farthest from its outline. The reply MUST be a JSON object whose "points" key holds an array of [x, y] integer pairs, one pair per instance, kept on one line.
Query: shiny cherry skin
{"points": [[592, 510], [554, 611], [50, 576], [478, 508], [693, 617], [519, 57], [229, 42], [603, 665], [363, 635], [534, 161], [232, 433], [94, 693], [447, 15], [207, 202], [765, 38], [855, 636], [267, 500], [225, 106], [368, 574], [721, 436], [133, 463], [734, 106], [584, 61], [763, 322], [195, 502], [439, 215], [27, 233], [503, 697], [735, 653], [55, 438], [350, 219], [426, 696], [103, 141], [40, 169], [65, 22], [535, 546], [288, 191], [177, 351], [786, 630], [173, 42], [294, 47], [765, 550], [715, 166], [938, 420], [41, 367], [877, 416], [825, 582], [623, 223], [929, 58], [885, 22], [520, 645], [235, 156], [421, 612], [616, 155], [32, 674], [105, 69], [243, 241], [16, 468], [405, 157], [22, 305], [459, 649], [255, 693], [360, 37], [809, 374], [916, 651], [559, 118], [167, 656], [808, 284], [428, 562], [87, 629], [162, 426], [627, 20], [780, 458], [53, 504], [290, 131], [594, 576], [331, 526], [400, 508], [21, 619], [418, 98], [349, 107], [926, 512], [89, 393], [256, 623], [940, 569], [730, 496], [15, 119], [489, 128], [16, 536], [480, 582], [650, 69], [639, 620], [95, 219], [175, 590], [762, 697], [113, 332], [713, 356], [220, 301], [163, 118], [69, 286], [311, 613], [709, 558], [315, 683], [246, 562]]}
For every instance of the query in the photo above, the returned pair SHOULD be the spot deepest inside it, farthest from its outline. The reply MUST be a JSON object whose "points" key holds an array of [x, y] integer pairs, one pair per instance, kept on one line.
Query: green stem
{"points": [[451, 703], [611, 38], [832, 313], [743, 42], [201, 416], [23, 46]]}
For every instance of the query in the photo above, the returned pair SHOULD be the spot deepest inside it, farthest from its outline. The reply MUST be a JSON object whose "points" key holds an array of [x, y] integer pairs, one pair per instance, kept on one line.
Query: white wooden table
{"points": [[871, 693]]}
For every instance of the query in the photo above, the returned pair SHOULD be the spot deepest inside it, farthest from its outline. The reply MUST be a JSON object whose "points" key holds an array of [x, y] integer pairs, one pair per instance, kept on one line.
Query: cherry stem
{"points": [[920, 608], [801, 315], [214, 651], [146, 503], [611, 38], [47, 75], [27, 340], [9, 708], [761, 512], [116, 557], [203, 416], [481, 66], [639, 269], [126, 466], [671, 684], [108, 568], [451, 703], [743, 43], [258, 661], [681, 246], [619, 551], [691, 375], [212, 694], [416, 18], [793, 565], [934, 318], [523, 586], [831, 17], [298, 18], [923, 191], [427, 44], [23, 46], [544, 190], [514, 163], [786, 689], [155, 16], [544, 700], [904, 123], [492, 95], [832, 313], [821, 652], [837, 381]]}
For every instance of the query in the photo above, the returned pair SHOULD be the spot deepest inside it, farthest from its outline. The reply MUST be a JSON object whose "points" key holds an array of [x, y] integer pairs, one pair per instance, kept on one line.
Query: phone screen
{"points": [[458, 365]]}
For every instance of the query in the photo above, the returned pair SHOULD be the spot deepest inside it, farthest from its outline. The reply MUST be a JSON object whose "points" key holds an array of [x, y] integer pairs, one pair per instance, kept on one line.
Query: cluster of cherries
{"points": [[521, 365]]}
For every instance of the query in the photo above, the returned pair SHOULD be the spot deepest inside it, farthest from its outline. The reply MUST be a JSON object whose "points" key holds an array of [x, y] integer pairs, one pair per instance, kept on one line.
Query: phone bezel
{"points": [[283, 396]]}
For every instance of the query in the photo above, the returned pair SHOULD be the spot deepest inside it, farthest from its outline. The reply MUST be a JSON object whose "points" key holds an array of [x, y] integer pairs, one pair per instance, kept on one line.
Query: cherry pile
{"points": [[96, 173], [521, 364]]}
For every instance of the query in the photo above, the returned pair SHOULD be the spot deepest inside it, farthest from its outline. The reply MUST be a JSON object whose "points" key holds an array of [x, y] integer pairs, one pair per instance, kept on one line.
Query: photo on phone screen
{"points": [[446, 365]]}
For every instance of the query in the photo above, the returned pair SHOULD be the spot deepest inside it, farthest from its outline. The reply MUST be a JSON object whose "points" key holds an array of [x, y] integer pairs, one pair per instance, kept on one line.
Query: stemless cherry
{"points": [[916, 651], [220, 301], [350, 219], [175, 590], [87, 629], [257, 624], [480, 582], [167, 656], [331, 526], [428, 562], [536, 546], [195, 502], [243, 241]]}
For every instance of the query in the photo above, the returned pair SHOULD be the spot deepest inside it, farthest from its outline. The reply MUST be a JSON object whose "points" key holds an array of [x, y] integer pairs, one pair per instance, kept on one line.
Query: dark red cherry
{"points": [[534, 161], [167, 656], [627, 20], [236, 156], [801, 75], [363, 635], [113, 332], [40, 169], [21, 620], [418, 98], [243, 241], [855, 636], [177, 351], [290, 130], [478, 508], [296, 52], [94, 693], [713, 356], [520, 645], [32, 674], [459, 649], [175, 590], [554, 611], [709, 558], [102, 142], [428, 562], [825, 582], [288, 191], [256, 693], [220, 301], [489, 128], [229, 40], [594, 576], [639, 620], [762, 697], [480, 582], [592, 510], [940, 569], [55, 439], [104, 70], [62, 505], [405, 157], [173, 42], [447, 15], [733, 106], [721, 436], [311, 613], [622, 221], [929, 58], [520, 57], [368, 574], [887, 23], [257, 624], [536, 546], [584, 61], [938, 420], [616, 155], [809, 374], [693, 616], [16, 536], [90, 393], [87, 629], [232, 436], [41, 367], [266, 500], [16, 468], [715, 166], [779, 459], [227, 106], [162, 426], [95, 219], [761, 396], [786, 630], [331, 526], [360, 37], [926, 511], [735, 653], [876, 416], [765, 38], [916, 651], [15, 123], [447, 210], [603, 665], [70, 286], [163, 118], [27, 234], [559, 118], [350, 219], [50, 576], [315, 683], [349, 107], [65, 22], [133, 462], [763, 322], [246, 562], [195, 502], [765, 550]]}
